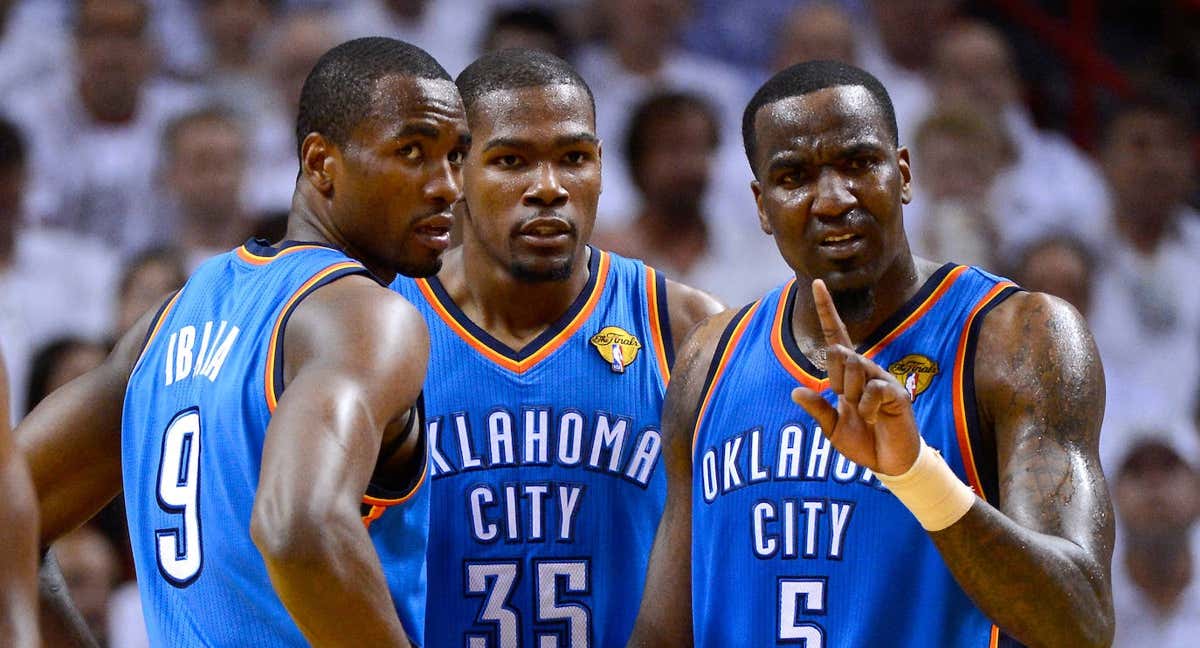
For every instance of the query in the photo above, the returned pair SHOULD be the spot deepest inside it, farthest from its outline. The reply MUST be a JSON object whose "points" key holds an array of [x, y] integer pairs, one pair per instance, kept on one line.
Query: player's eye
{"points": [[576, 157], [859, 163], [506, 161], [457, 157], [409, 152]]}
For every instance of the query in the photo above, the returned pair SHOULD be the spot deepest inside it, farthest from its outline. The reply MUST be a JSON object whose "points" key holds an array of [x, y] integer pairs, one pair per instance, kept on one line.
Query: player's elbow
{"points": [[286, 534]]}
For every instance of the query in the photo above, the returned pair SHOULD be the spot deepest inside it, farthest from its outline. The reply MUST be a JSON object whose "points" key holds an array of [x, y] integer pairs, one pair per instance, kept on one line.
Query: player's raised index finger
{"points": [[831, 323]]}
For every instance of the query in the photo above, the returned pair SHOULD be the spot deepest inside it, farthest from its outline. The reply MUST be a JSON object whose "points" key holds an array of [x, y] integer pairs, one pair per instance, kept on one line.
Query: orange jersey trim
{"points": [[660, 347], [548, 348], [254, 259], [960, 406], [272, 342], [820, 384], [994, 639], [734, 338], [157, 326]]}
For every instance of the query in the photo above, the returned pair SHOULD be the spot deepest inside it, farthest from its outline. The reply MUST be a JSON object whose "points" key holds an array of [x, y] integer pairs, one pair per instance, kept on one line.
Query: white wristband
{"points": [[931, 490]]}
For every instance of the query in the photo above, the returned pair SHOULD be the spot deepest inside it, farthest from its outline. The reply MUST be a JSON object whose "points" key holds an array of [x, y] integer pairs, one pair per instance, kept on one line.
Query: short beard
{"points": [[420, 271], [855, 305], [558, 272]]}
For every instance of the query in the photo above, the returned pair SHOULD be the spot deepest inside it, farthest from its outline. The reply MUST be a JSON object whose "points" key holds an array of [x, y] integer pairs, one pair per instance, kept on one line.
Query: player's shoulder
{"points": [[359, 307]]}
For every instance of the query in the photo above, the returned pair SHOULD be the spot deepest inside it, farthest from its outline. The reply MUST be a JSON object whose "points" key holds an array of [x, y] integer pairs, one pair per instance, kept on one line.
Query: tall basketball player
{"points": [[246, 418], [939, 483], [544, 418]]}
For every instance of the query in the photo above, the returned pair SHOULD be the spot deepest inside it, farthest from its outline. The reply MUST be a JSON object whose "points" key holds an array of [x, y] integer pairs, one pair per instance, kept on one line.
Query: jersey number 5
{"points": [[179, 555], [798, 595]]}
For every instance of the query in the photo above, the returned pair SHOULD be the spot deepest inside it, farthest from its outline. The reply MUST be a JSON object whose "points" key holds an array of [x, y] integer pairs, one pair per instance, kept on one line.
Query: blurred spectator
{"points": [[59, 362], [52, 283], [94, 141], [204, 169], [34, 45], [298, 39], [639, 55], [236, 31], [816, 31], [89, 568], [974, 70], [958, 154], [447, 29], [528, 27], [1058, 264], [1156, 570], [899, 49], [147, 279], [1145, 310], [671, 145]]}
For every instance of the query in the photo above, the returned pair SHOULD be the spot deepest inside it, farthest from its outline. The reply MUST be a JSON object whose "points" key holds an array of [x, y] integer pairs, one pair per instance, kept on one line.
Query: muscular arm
{"points": [[355, 355], [687, 307], [72, 441], [1040, 388], [665, 616], [18, 537]]}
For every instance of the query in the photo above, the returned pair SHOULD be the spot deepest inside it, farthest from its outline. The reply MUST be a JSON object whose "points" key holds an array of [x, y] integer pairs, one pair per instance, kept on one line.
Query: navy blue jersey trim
{"points": [[416, 424], [983, 445], [715, 363], [540, 341], [262, 247], [664, 318], [895, 319], [277, 344], [1006, 641]]}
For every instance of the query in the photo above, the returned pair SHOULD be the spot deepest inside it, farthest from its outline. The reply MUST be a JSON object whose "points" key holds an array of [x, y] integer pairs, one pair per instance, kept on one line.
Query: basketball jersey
{"points": [[196, 412], [793, 544], [544, 465]]}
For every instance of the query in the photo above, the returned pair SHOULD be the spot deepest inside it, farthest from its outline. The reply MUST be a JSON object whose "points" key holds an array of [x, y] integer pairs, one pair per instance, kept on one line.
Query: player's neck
{"points": [[511, 310], [899, 283], [306, 223]]}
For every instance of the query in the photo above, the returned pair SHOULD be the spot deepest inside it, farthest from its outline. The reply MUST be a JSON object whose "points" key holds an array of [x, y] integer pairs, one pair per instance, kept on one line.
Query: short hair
{"points": [[530, 18], [338, 92], [657, 107], [810, 76], [513, 68], [12, 145], [201, 115]]}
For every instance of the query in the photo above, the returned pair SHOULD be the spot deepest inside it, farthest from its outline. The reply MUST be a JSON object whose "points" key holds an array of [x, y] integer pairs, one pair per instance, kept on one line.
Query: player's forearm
{"points": [[330, 580], [61, 624], [18, 562], [1041, 589]]}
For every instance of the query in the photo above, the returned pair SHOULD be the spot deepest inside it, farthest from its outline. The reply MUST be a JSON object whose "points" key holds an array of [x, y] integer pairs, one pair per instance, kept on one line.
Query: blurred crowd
{"points": [[138, 137]]}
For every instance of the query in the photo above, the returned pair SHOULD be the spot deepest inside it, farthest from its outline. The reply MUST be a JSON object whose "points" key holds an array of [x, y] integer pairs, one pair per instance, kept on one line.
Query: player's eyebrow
{"points": [[420, 129], [559, 142]]}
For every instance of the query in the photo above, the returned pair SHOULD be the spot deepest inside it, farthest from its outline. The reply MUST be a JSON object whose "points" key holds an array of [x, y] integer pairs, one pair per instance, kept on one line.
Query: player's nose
{"points": [[547, 189]]}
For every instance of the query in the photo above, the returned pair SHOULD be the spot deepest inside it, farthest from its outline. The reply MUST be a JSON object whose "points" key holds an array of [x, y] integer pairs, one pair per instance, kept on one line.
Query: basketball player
{"points": [[18, 538], [248, 415], [544, 426], [838, 523]]}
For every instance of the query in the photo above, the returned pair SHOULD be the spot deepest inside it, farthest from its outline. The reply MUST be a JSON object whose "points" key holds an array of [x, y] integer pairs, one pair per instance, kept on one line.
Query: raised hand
{"points": [[873, 423]]}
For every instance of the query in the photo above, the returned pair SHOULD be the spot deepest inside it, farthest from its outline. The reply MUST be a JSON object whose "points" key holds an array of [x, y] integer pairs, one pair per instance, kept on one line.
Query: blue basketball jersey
{"points": [[792, 543], [544, 465], [195, 417]]}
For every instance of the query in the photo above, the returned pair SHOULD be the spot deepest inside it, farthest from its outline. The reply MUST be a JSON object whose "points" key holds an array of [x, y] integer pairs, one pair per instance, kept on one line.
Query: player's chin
{"points": [[419, 262]]}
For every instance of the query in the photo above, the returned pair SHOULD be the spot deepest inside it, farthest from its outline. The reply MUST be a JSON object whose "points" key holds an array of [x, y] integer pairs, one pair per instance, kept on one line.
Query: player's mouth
{"points": [[842, 244], [546, 231], [434, 231]]}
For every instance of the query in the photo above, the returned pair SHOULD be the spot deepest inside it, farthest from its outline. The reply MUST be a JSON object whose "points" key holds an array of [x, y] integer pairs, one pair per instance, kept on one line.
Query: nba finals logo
{"points": [[617, 346], [915, 372]]}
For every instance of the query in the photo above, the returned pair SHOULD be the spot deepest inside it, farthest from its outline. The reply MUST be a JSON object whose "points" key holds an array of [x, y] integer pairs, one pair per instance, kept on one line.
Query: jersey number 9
{"points": [[179, 554]]}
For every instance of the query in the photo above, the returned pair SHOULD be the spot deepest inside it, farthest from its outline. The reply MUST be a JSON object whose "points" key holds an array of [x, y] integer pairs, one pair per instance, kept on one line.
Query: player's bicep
{"points": [[1041, 386], [688, 307]]}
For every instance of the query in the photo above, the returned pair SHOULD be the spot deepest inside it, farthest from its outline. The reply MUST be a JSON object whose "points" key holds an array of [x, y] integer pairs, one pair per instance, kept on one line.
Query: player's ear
{"points": [[763, 222], [319, 161], [905, 174]]}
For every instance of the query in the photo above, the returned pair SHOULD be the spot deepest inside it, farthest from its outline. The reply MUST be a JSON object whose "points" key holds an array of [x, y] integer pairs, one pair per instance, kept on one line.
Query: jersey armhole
{"points": [[379, 498], [978, 448], [720, 359], [156, 323], [660, 322], [273, 380]]}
